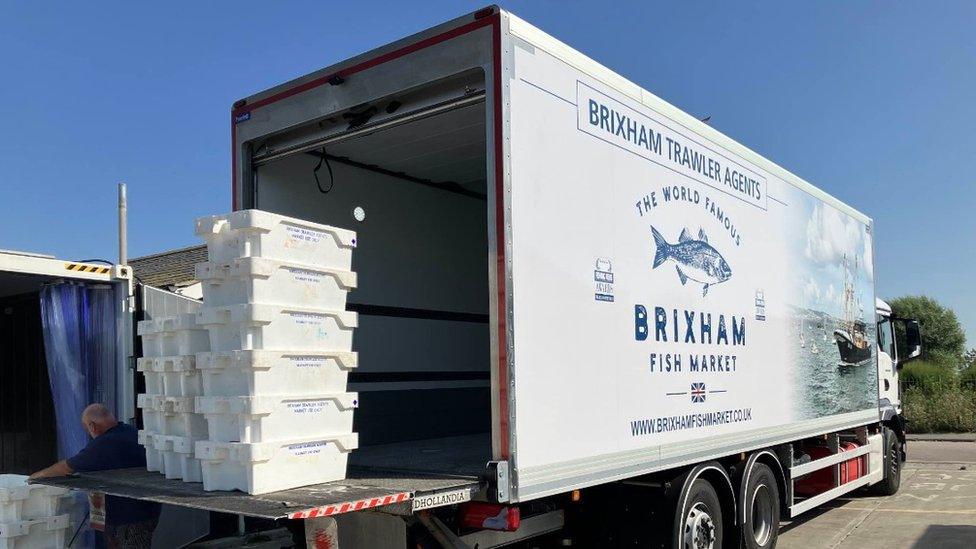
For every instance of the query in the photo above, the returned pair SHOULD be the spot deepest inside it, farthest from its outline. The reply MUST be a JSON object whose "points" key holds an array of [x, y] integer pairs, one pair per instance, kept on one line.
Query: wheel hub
{"points": [[762, 514], [699, 531]]}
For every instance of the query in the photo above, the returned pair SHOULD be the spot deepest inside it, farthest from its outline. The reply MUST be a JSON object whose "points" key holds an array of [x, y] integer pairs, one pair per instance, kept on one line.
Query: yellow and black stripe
{"points": [[84, 268]]}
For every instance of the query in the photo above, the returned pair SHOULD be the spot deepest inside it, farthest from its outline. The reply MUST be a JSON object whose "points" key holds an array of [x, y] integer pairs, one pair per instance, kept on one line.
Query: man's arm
{"points": [[59, 469]]}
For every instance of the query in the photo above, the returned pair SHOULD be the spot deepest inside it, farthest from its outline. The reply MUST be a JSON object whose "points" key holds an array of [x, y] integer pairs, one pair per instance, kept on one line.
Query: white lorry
{"points": [[583, 313]]}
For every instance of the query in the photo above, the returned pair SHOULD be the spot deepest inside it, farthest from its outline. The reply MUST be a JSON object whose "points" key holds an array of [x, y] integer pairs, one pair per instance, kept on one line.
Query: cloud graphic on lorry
{"points": [[823, 297], [831, 235]]}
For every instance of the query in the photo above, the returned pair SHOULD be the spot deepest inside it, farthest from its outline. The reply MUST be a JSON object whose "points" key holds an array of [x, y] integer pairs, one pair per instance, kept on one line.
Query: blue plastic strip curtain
{"points": [[79, 343]]}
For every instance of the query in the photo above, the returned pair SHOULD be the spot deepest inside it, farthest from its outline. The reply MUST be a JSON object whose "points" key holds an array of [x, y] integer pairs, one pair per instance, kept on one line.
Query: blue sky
{"points": [[870, 101]]}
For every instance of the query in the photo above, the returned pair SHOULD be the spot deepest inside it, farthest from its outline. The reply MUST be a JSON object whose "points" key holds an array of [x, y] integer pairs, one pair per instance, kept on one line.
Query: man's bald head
{"points": [[97, 419]]}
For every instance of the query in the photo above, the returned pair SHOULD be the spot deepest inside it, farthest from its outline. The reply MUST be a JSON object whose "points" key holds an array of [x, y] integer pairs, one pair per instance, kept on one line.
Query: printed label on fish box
{"points": [[307, 361], [304, 275], [308, 448], [299, 234], [307, 406], [307, 318]]}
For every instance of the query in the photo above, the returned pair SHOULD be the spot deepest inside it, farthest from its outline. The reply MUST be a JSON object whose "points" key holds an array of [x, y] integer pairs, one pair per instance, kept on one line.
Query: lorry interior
{"points": [[28, 434], [408, 173]]}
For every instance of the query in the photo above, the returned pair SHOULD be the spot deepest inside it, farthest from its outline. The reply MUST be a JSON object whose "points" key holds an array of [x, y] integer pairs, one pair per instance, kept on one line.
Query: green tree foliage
{"points": [[921, 373], [942, 409], [943, 339], [968, 373]]}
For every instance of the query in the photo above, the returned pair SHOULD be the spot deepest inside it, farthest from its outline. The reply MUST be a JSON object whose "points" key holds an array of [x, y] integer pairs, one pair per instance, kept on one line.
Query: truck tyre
{"points": [[700, 519], [892, 466], [761, 506]]}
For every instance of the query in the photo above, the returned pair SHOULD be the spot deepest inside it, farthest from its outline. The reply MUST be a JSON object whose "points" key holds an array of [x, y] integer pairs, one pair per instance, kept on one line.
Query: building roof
{"points": [[173, 268]]}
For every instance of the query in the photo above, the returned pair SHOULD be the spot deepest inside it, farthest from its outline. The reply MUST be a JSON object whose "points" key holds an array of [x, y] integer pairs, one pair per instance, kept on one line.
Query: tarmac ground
{"points": [[934, 509]]}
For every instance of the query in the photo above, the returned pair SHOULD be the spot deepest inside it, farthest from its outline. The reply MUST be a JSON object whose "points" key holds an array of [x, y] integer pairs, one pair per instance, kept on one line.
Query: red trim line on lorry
{"points": [[496, 43], [480, 21], [316, 82]]}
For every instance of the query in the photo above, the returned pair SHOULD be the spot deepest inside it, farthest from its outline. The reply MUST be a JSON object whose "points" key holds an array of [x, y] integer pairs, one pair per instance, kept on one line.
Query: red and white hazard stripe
{"points": [[356, 505]]}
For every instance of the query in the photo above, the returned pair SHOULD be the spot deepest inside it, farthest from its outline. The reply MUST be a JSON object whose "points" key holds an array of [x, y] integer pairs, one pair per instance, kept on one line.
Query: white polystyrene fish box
{"points": [[260, 280], [255, 233], [175, 416], [22, 501], [180, 420], [154, 379], [179, 375], [173, 335], [152, 415], [269, 418], [178, 458], [154, 458], [46, 533], [259, 468], [231, 373], [276, 327]]}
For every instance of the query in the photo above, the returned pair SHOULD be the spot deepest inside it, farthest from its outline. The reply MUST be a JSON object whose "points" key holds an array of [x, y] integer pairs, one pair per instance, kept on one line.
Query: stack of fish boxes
{"points": [[274, 381], [31, 515], [172, 424]]}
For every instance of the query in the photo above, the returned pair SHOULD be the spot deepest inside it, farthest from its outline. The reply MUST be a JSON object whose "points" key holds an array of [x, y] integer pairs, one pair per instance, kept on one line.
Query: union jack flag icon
{"points": [[698, 392]]}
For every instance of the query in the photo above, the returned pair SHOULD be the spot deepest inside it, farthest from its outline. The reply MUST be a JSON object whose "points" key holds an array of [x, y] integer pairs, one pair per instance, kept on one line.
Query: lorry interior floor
{"points": [[463, 455]]}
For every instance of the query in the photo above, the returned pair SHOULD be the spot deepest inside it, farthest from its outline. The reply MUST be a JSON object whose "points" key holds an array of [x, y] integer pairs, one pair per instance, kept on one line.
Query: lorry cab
{"points": [[899, 341], [887, 359]]}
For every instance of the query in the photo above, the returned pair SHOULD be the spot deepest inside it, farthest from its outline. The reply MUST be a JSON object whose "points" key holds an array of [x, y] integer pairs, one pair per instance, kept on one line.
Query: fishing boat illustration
{"points": [[851, 338]]}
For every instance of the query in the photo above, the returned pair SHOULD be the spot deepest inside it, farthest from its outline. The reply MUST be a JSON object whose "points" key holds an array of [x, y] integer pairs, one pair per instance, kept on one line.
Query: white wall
{"points": [[418, 247]]}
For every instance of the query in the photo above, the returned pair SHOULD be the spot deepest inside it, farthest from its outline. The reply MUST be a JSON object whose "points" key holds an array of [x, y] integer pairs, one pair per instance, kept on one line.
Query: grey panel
{"points": [[418, 247], [419, 414], [179, 526], [373, 530], [159, 303], [390, 344]]}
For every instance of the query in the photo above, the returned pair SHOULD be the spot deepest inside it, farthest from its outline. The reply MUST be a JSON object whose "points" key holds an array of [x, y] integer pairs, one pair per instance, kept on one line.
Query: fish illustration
{"points": [[693, 259]]}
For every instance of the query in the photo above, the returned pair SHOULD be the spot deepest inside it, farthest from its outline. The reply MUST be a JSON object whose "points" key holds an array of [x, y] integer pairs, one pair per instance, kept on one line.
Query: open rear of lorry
{"points": [[576, 303], [43, 299]]}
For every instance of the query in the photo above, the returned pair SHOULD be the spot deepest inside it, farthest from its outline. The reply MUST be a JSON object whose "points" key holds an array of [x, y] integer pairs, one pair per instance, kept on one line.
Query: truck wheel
{"points": [[700, 521], [892, 466], [761, 503]]}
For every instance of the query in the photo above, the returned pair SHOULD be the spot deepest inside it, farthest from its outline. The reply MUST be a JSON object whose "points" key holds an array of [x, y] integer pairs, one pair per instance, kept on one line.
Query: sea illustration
{"points": [[831, 318], [824, 384]]}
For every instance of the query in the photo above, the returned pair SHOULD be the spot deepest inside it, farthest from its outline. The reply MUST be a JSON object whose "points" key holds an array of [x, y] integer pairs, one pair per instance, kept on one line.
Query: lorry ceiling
{"points": [[20, 283], [448, 147]]}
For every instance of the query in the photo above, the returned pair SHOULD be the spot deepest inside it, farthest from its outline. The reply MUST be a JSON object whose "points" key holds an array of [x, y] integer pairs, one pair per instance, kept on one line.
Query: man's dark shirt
{"points": [[117, 448]]}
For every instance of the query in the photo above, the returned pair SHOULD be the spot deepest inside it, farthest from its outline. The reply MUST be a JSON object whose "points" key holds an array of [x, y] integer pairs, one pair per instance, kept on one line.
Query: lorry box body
{"points": [[562, 281], [632, 289]]}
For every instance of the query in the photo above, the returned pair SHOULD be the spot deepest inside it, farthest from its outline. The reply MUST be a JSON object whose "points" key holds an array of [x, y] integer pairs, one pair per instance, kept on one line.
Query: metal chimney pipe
{"points": [[123, 227]]}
